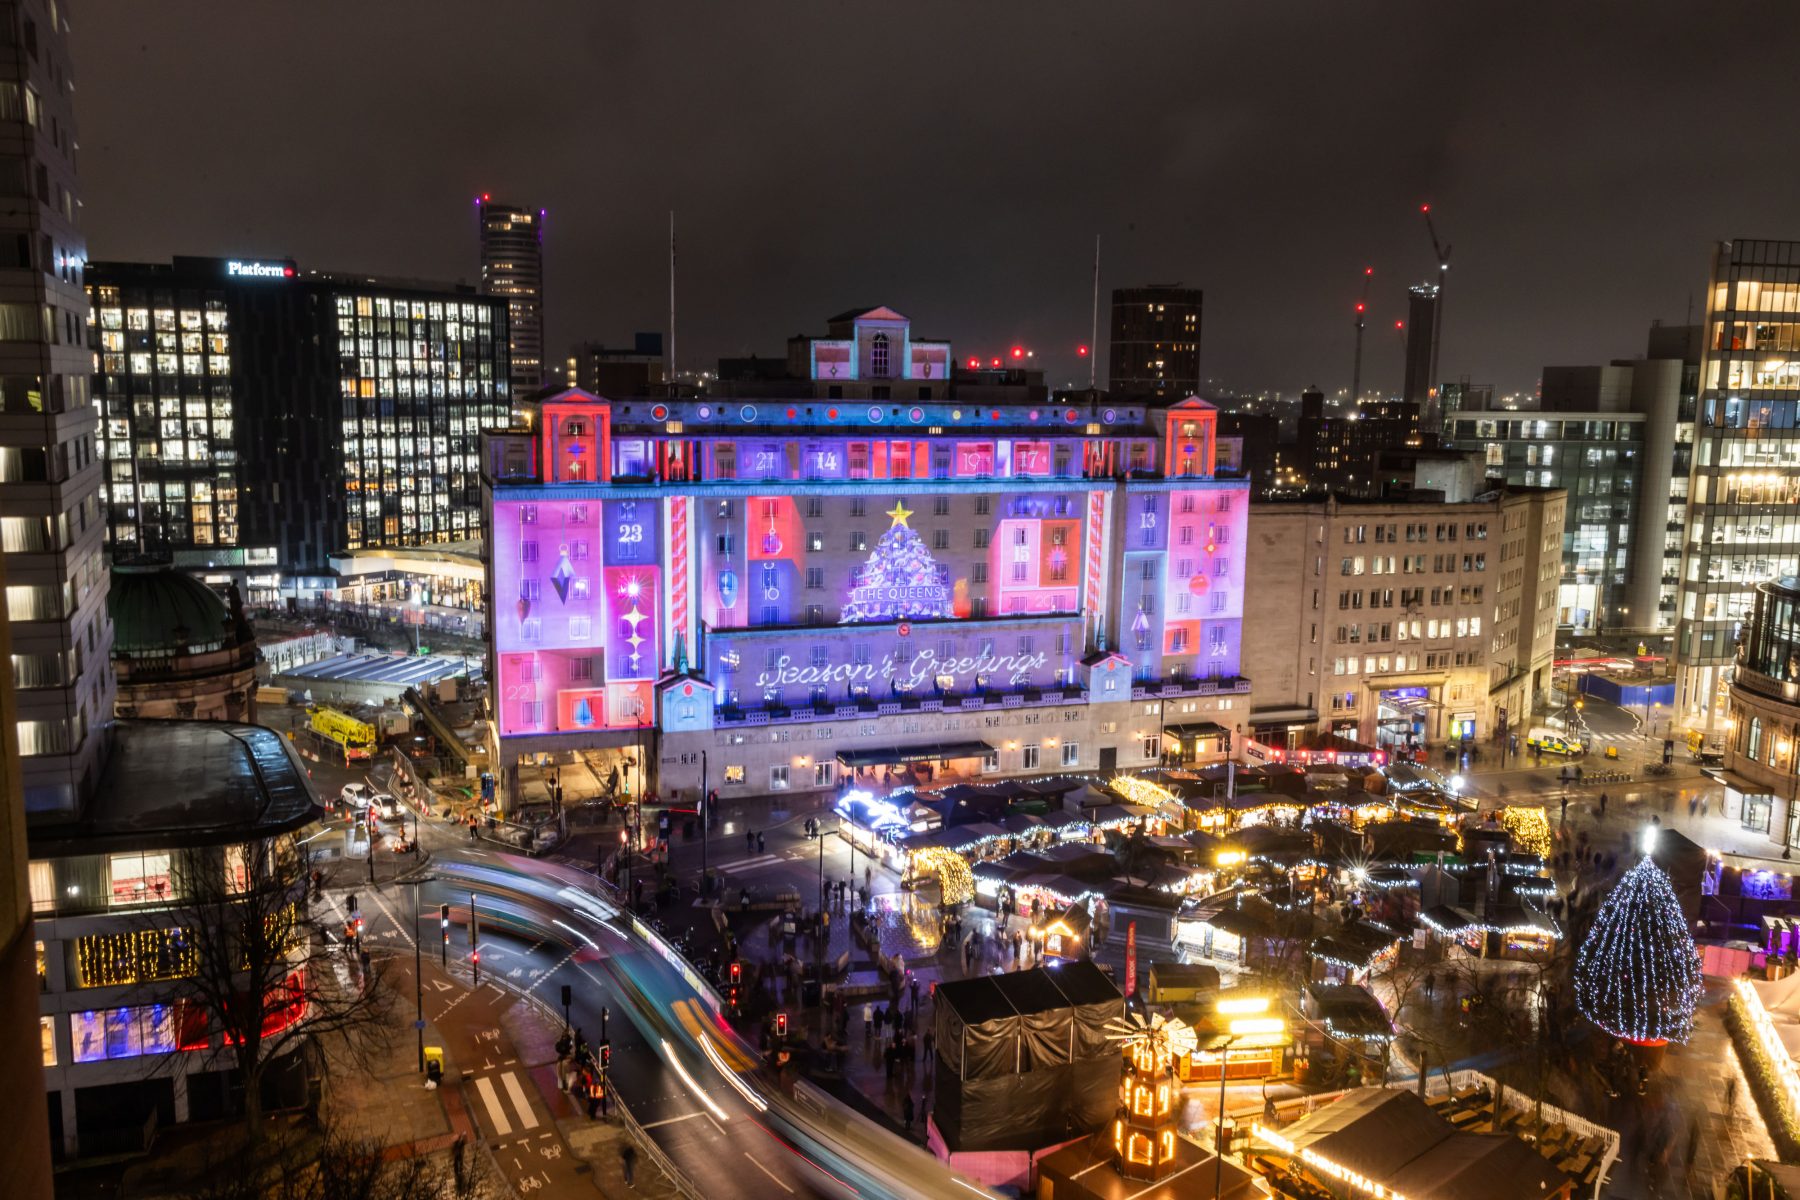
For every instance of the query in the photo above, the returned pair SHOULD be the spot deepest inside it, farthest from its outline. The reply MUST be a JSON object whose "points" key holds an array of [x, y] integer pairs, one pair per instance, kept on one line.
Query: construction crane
{"points": [[1442, 250], [1362, 315]]}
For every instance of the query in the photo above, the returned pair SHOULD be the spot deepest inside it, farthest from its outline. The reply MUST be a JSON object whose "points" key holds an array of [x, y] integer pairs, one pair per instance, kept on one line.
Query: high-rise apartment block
{"points": [[1741, 528], [258, 419], [637, 370], [1417, 386], [51, 517], [1155, 350], [512, 265], [1339, 451]]}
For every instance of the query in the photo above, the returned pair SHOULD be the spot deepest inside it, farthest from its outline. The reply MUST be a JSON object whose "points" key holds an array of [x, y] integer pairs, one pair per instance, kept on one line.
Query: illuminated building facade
{"points": [[794, 584], [512, 267], [1743, 522], [256, 420]]}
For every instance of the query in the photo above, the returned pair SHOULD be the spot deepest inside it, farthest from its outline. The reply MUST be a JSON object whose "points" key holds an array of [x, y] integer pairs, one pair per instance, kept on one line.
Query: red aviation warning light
{"points": [[974, 364], [1018, 352], [1081, 351]]}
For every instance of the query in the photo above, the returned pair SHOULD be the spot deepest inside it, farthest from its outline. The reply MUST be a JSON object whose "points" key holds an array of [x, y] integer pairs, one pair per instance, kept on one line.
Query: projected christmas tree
{"points": [[900, 580], [1637, 975]]}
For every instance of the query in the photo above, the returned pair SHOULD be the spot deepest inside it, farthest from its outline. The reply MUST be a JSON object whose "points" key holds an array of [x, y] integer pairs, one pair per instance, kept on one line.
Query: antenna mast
{"points": [[670, 367], [1362, 320], [1094, 325]]}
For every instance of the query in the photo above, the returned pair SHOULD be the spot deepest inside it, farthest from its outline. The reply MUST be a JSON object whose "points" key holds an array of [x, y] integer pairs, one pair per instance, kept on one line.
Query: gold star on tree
{"points": [[899, 513]]}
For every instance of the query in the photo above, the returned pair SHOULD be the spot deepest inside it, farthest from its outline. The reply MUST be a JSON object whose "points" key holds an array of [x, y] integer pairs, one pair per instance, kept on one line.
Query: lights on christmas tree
{"points": [[1529, 827], [1637, 975], [900, 580]]}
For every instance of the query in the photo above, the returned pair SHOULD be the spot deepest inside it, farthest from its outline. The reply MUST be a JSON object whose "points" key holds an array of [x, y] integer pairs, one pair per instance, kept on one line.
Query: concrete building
{"points": [[1762, 725], [1155, 347], [512, 265], [1338, 451], [795, 592], [1401, 622], [120, 1041], [1417, 386], [1742, 524], [52, 522], [617, 370], [178, 651]]}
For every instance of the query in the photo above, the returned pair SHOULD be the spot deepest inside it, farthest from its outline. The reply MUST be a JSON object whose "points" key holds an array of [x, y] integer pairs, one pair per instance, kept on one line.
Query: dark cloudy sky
{"points": [[956, 160]]}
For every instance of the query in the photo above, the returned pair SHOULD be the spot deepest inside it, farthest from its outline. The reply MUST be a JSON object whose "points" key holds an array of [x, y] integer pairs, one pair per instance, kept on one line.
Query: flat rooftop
{"points": [[170, 784]]}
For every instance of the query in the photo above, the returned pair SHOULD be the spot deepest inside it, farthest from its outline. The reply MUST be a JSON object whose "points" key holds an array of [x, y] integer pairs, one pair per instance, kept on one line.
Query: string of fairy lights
{"points": [[1637, 974]]}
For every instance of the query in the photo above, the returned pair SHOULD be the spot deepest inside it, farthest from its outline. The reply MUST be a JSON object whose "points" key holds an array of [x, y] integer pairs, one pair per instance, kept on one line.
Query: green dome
{"points": [[157, 613]]}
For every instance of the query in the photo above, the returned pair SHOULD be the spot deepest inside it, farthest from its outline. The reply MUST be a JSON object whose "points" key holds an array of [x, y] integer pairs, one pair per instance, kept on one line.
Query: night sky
{"points": [[956, 160]]}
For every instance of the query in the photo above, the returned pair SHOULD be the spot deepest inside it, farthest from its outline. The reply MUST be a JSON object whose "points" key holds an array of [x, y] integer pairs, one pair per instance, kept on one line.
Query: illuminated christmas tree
{"points": [[1637, 975], [900, 580]]}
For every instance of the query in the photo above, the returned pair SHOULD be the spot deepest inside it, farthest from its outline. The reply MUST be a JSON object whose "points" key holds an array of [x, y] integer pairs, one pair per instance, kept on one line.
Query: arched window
{"points": [[878, 356], [1753, 751]]}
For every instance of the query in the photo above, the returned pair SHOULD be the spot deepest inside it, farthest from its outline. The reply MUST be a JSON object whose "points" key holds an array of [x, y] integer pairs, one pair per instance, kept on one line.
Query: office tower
{"points": [[1155, 350], [57, 703], [1740, 528], [1421, 344], [617, 370], [258, 419], [1608, 436], [897, 580], [50, 472], [512, 265]]}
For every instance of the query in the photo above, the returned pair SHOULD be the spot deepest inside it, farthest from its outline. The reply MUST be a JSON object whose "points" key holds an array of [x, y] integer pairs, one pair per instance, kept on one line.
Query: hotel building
{"points": [[886, 567]]}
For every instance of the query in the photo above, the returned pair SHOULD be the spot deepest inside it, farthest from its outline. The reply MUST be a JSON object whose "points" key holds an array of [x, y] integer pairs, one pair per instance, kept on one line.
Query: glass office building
{"points": [[256, 420], [1743, 523]]}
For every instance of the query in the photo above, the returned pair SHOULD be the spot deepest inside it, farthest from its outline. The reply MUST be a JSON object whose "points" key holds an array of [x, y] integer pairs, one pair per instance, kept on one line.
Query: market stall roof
{"points": [[1079, 858], [1066, 886], [1393, 1138], [1062, 819], [1001, 871], [1446, 918], [1021, 822], [1402, 839], [1160, 877], [1355, 943], [950, 837], [1119, 814], [1072, 917], [924, 752], [1349, 1011]]}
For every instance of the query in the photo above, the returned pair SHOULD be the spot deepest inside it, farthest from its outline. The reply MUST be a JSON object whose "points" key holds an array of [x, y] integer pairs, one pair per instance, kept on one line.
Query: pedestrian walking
{"points": [[1603, 806], [761, 846], [906, 1112], [749, 840], [1730, 1097], [628, 1163], [1565, 810]]}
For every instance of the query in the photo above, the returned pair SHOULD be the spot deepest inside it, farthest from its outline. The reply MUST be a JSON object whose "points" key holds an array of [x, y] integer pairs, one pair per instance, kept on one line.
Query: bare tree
{"points": [[302, 1164], [257, 965]]}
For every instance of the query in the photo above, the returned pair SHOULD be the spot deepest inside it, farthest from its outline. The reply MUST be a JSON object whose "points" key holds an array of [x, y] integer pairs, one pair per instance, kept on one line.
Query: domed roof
{"points": [[157, 612]]}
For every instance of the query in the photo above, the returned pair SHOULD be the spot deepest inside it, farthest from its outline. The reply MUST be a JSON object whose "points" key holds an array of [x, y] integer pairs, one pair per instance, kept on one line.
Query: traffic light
{"points": [[605, 1054], [444, 920], [736, 972], [475, 956], [781, 1025]]}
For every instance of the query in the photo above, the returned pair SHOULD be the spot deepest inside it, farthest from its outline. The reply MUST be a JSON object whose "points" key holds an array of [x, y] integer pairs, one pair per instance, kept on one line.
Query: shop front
{"points": [[1403, 717]]}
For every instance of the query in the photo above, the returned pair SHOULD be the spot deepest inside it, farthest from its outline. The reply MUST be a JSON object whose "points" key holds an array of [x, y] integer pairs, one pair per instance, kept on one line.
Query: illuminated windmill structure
{"points": [[1144, 1141]]}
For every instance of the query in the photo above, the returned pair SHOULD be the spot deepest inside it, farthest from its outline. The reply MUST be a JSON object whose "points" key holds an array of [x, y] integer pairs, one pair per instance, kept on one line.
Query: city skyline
{"points": [[1193, 160]]}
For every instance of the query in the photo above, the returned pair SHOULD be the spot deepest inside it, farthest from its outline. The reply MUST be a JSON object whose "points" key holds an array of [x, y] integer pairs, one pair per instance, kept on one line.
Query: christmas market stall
{"points": [[1061, 934], [1387, 1144], [1353, 951]]}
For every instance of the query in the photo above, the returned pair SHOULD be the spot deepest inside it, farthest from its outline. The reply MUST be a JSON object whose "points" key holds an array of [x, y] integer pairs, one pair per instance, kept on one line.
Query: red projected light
{"points": [[831, 414], [791, 414]]}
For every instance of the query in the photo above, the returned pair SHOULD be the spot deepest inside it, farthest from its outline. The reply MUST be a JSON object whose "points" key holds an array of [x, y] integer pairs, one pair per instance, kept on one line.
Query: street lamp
{"points": [[418, 966], [1244, 1025], [418, 600]]}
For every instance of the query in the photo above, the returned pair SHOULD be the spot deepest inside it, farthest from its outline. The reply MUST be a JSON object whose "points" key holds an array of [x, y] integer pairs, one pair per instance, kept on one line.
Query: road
{"points": [[694, 1085]]}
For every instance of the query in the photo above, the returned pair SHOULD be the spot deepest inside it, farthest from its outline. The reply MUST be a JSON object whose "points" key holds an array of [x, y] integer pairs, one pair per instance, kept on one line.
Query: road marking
{"points": [[751, 864], [672, 1120], [784, 1187], [496, 1112], [527, 1118]]}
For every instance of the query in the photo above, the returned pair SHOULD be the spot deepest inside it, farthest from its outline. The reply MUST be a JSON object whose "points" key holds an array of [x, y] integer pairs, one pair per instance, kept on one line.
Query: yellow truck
{"points": [[356, 738]]}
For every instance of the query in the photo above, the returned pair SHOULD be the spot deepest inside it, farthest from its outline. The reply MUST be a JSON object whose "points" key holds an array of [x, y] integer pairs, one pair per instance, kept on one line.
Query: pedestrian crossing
{"points": [[752, 864], [505, 1104]]}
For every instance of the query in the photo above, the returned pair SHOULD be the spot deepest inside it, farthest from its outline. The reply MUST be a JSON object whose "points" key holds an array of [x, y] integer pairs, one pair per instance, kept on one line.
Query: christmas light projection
{"points": [[900, 581], [1637, 975]]}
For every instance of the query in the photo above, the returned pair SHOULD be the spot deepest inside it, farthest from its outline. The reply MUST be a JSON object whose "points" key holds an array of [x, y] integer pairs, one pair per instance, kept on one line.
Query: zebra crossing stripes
{"points": [[498, 1113]]}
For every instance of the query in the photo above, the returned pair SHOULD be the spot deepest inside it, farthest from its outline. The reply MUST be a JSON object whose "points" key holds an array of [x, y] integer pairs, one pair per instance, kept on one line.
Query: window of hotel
{"points": [[778, 776], [1071, 754], [43, 887], [47, 1039], [1028, 758], [139, 877]]}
